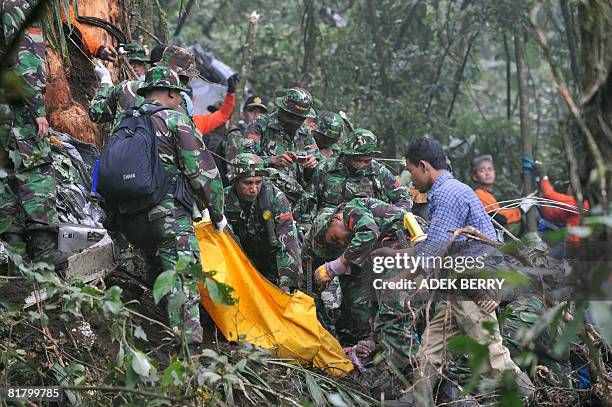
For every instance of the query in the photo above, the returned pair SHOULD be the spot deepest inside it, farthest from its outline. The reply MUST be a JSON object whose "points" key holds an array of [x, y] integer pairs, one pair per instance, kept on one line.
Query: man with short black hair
{"points": [[453, 205]]}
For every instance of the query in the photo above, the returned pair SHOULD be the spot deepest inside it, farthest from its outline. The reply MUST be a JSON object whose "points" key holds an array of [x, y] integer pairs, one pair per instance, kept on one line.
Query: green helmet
{"points": [[136, 52], [361, 142], [297, 101], [161, 77], [246, 165], [179, 59], [330, 125], [320, 225]]}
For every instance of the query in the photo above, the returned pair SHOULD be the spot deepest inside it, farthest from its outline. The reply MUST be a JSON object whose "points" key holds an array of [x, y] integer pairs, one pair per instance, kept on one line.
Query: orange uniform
{"points": [[208, 122], [559, 215], [90, 42], [490, 203]]}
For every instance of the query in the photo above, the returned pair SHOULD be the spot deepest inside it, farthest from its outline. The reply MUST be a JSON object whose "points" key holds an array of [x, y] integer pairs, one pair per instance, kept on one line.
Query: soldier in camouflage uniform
{"points": [[253, 107], [111, 102], [345, 238], [165, 232], [27, 194], [260, 215], [354, 174], [327, 132], [286, 146]]}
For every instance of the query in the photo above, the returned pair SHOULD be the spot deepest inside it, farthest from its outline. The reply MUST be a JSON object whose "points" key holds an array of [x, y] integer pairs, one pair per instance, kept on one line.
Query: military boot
{"points": [[43, 247]]}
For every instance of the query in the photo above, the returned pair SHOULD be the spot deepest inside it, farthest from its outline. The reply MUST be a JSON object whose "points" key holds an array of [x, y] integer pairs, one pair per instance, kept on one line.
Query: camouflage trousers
{"points": [[166, 237], [365, 313], [27, 194]]}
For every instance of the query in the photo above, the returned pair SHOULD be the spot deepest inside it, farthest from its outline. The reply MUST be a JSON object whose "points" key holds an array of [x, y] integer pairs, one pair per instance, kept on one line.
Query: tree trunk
{"points": [[508, 79], [523, 92], [309, 30], [381, 61], [596, 89]]}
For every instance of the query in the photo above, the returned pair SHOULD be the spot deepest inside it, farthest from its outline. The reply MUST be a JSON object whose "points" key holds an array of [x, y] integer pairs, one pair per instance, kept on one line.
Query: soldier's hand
{"points": [[103, 74], [43, 126], [321, 277], [311, 161], [107, 52], [364, 348], [283, 160]]}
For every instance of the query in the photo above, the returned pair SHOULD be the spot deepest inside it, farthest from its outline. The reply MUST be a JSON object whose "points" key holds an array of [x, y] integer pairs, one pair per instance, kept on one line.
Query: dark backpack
{"points": [[131, 176]]}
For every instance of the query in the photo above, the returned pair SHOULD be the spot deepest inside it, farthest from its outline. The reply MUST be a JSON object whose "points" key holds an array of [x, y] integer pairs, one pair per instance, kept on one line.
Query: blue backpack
{"points": [[131, 176]]}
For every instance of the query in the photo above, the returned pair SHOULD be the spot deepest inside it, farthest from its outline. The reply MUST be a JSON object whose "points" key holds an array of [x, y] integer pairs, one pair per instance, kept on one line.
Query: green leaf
{"points": [[163, 284], [140, 363], [315, 391], [220, 293], [478, 355], [601, 311], [209, 353], [173, 374], [140, 333], [5, 223]]}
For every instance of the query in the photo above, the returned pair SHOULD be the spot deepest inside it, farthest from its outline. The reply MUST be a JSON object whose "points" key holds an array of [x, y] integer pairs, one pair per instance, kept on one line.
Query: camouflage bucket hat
{"points": [[136, 52], [246, 165], [330, 125], [320, 225], [180, 60], [361, 142], [161, 77], [297, 101]]}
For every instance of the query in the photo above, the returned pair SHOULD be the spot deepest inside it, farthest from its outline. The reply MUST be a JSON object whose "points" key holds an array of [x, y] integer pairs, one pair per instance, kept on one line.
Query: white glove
{"points": [[221, 225], [527, 202], [103, 74]]}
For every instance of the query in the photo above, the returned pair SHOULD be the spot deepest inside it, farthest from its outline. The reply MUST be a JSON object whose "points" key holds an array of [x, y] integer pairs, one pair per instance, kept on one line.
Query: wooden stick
{"points": [[245, 66]]}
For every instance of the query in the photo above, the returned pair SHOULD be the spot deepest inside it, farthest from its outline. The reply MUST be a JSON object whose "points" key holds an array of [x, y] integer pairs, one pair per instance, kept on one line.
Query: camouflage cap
{"points": [[136, 52], [330, 125], [361, 142], [180, 60], [296, 101], [246, 165], [161, 77]]}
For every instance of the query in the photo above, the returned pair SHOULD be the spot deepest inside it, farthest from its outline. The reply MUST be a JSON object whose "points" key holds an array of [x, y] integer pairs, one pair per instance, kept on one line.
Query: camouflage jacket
{"points": [[266, 137], [369, 220], [181, 149], [233, 140], [110, 102], [333, 183], [277, 257], [27, 61]]}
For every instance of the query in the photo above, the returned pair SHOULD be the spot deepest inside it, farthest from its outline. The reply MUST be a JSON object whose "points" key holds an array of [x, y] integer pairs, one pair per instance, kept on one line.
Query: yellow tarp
{"points": [[285, 324]]}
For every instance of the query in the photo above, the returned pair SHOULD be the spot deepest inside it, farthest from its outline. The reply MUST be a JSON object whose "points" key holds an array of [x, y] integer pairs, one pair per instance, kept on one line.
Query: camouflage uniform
{"points": [[183, 63], [267, 137], [165, 232], [334, 182], [111, 102], [27, 195], [234, 136], [364, 312], [265, 227]]}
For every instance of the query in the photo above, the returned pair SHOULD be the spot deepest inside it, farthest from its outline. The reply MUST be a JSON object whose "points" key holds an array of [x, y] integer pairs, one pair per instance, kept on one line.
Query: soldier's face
{"points": [[323, 141], [359, 162], [290, 122], [139, 67], [420, 175], [336, 233], [248, 188], [250, 115]]}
